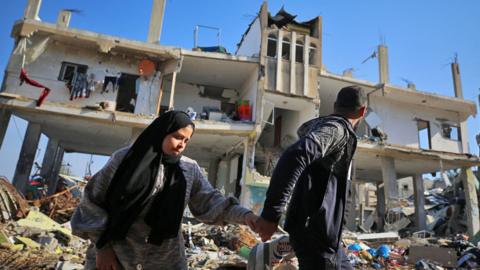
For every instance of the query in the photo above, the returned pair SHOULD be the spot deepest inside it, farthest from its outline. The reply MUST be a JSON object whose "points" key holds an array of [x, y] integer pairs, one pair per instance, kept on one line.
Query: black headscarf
{"points": [[131, 186]]}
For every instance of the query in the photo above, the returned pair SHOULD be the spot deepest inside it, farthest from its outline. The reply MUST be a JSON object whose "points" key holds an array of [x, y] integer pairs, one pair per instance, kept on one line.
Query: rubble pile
{"points": [[30, 239], [443, 245], [59, 206], [420, 251], [218, 247], [38, 242], [12, 204], [36, 235]]}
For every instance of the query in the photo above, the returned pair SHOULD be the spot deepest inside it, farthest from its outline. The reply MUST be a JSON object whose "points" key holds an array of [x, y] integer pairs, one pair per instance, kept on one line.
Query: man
{"points": [[316, 168]]}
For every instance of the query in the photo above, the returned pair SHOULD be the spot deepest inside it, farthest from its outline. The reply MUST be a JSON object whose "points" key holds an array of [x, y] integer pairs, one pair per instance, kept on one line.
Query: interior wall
{"points": [[399, 122], [227, 175], [187, 95], [46, 68], [398, 118], [250, 45], [248, 91]]}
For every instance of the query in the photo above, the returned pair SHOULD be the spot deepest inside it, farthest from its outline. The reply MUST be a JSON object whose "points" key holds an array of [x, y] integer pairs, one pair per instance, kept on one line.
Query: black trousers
{"points": [[311, 261]]}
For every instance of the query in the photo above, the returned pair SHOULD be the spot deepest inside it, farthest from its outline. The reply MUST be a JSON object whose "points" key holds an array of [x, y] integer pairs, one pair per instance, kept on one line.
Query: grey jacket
{"points": [[205, 203]]}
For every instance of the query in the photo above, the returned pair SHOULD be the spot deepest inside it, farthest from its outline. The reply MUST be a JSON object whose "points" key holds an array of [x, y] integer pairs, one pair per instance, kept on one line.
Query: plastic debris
{"points": [[383, 251]]}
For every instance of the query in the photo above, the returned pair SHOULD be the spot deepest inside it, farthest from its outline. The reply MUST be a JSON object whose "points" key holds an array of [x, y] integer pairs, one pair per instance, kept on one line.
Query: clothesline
{"points": [[15, 73]]}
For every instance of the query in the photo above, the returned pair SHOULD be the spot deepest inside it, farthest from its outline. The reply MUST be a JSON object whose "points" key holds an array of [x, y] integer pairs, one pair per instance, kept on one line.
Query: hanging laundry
{"points": [[90, 84], [43, 95], [116, 86], [79, 86], [110, 84]]}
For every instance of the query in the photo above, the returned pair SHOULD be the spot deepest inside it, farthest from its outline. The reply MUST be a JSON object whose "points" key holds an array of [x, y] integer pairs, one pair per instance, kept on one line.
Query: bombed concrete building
{"points": [[98, 92]]}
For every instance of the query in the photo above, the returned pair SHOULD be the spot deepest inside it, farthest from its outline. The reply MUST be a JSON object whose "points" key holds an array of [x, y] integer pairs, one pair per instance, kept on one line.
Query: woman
{"points": [[132, 209]]}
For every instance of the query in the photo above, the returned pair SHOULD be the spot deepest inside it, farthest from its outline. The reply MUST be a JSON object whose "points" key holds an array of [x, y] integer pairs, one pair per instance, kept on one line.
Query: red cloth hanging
{"points": [[24, 78]]}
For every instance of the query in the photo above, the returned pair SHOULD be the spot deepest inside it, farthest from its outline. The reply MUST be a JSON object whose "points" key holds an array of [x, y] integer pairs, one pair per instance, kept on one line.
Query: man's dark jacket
{"points": [[316, 168]]}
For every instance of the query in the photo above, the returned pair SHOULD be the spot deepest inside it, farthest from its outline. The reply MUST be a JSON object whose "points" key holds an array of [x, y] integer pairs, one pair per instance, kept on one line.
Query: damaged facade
{"points": [[104, 90]]}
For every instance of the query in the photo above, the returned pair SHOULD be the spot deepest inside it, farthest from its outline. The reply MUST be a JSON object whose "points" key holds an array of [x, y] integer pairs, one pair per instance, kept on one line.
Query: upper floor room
{"points": [[405, 117], [289, 51], [91, 70]]}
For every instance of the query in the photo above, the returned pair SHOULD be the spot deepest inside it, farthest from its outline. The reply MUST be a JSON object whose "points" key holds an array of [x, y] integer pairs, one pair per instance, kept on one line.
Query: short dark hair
{"points": [[349, 99]]}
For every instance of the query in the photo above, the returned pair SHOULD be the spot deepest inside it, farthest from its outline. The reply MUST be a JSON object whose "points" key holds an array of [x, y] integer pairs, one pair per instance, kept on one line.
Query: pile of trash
{"points": [[31, 239], [217, 247], [420, 251]]}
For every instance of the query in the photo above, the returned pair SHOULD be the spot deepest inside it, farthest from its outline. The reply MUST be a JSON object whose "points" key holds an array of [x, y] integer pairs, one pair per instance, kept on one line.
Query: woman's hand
{"points": [[251, 220], [107, 260]]}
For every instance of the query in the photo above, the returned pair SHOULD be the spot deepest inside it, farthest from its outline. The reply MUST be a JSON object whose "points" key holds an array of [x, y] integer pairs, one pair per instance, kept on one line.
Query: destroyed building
{"points": [[101, 91]]}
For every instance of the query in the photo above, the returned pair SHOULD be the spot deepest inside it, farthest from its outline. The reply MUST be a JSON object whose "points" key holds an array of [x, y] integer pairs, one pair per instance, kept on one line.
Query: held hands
{"points": [[265, 228], [251, 220], [107, 260], [261, 226]]}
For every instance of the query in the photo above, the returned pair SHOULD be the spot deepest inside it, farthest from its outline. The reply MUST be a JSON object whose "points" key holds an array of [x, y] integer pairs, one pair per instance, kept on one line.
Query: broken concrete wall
{"points": [[250, 44], [227, 175], [399, 121], [46, 69], [405, 187], [288, 121], [188, 95]]}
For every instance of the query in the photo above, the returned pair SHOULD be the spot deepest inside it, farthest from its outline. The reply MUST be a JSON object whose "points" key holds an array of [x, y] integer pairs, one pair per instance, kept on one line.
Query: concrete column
{"points": [[247, 167], [27, 156], [464, 137], [317, 33], [468, 181], [362, 193], [49, 157], [63, 19], [457, 86], [383, 64], [380, 206], [53, 176], [172, 90], [263, 15], [457, 81], [351, 208], [32, 9], [156, 21], [420, 214], [306, 60], [4, 120], [278, 75], [293, 65], [389, 176]]}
